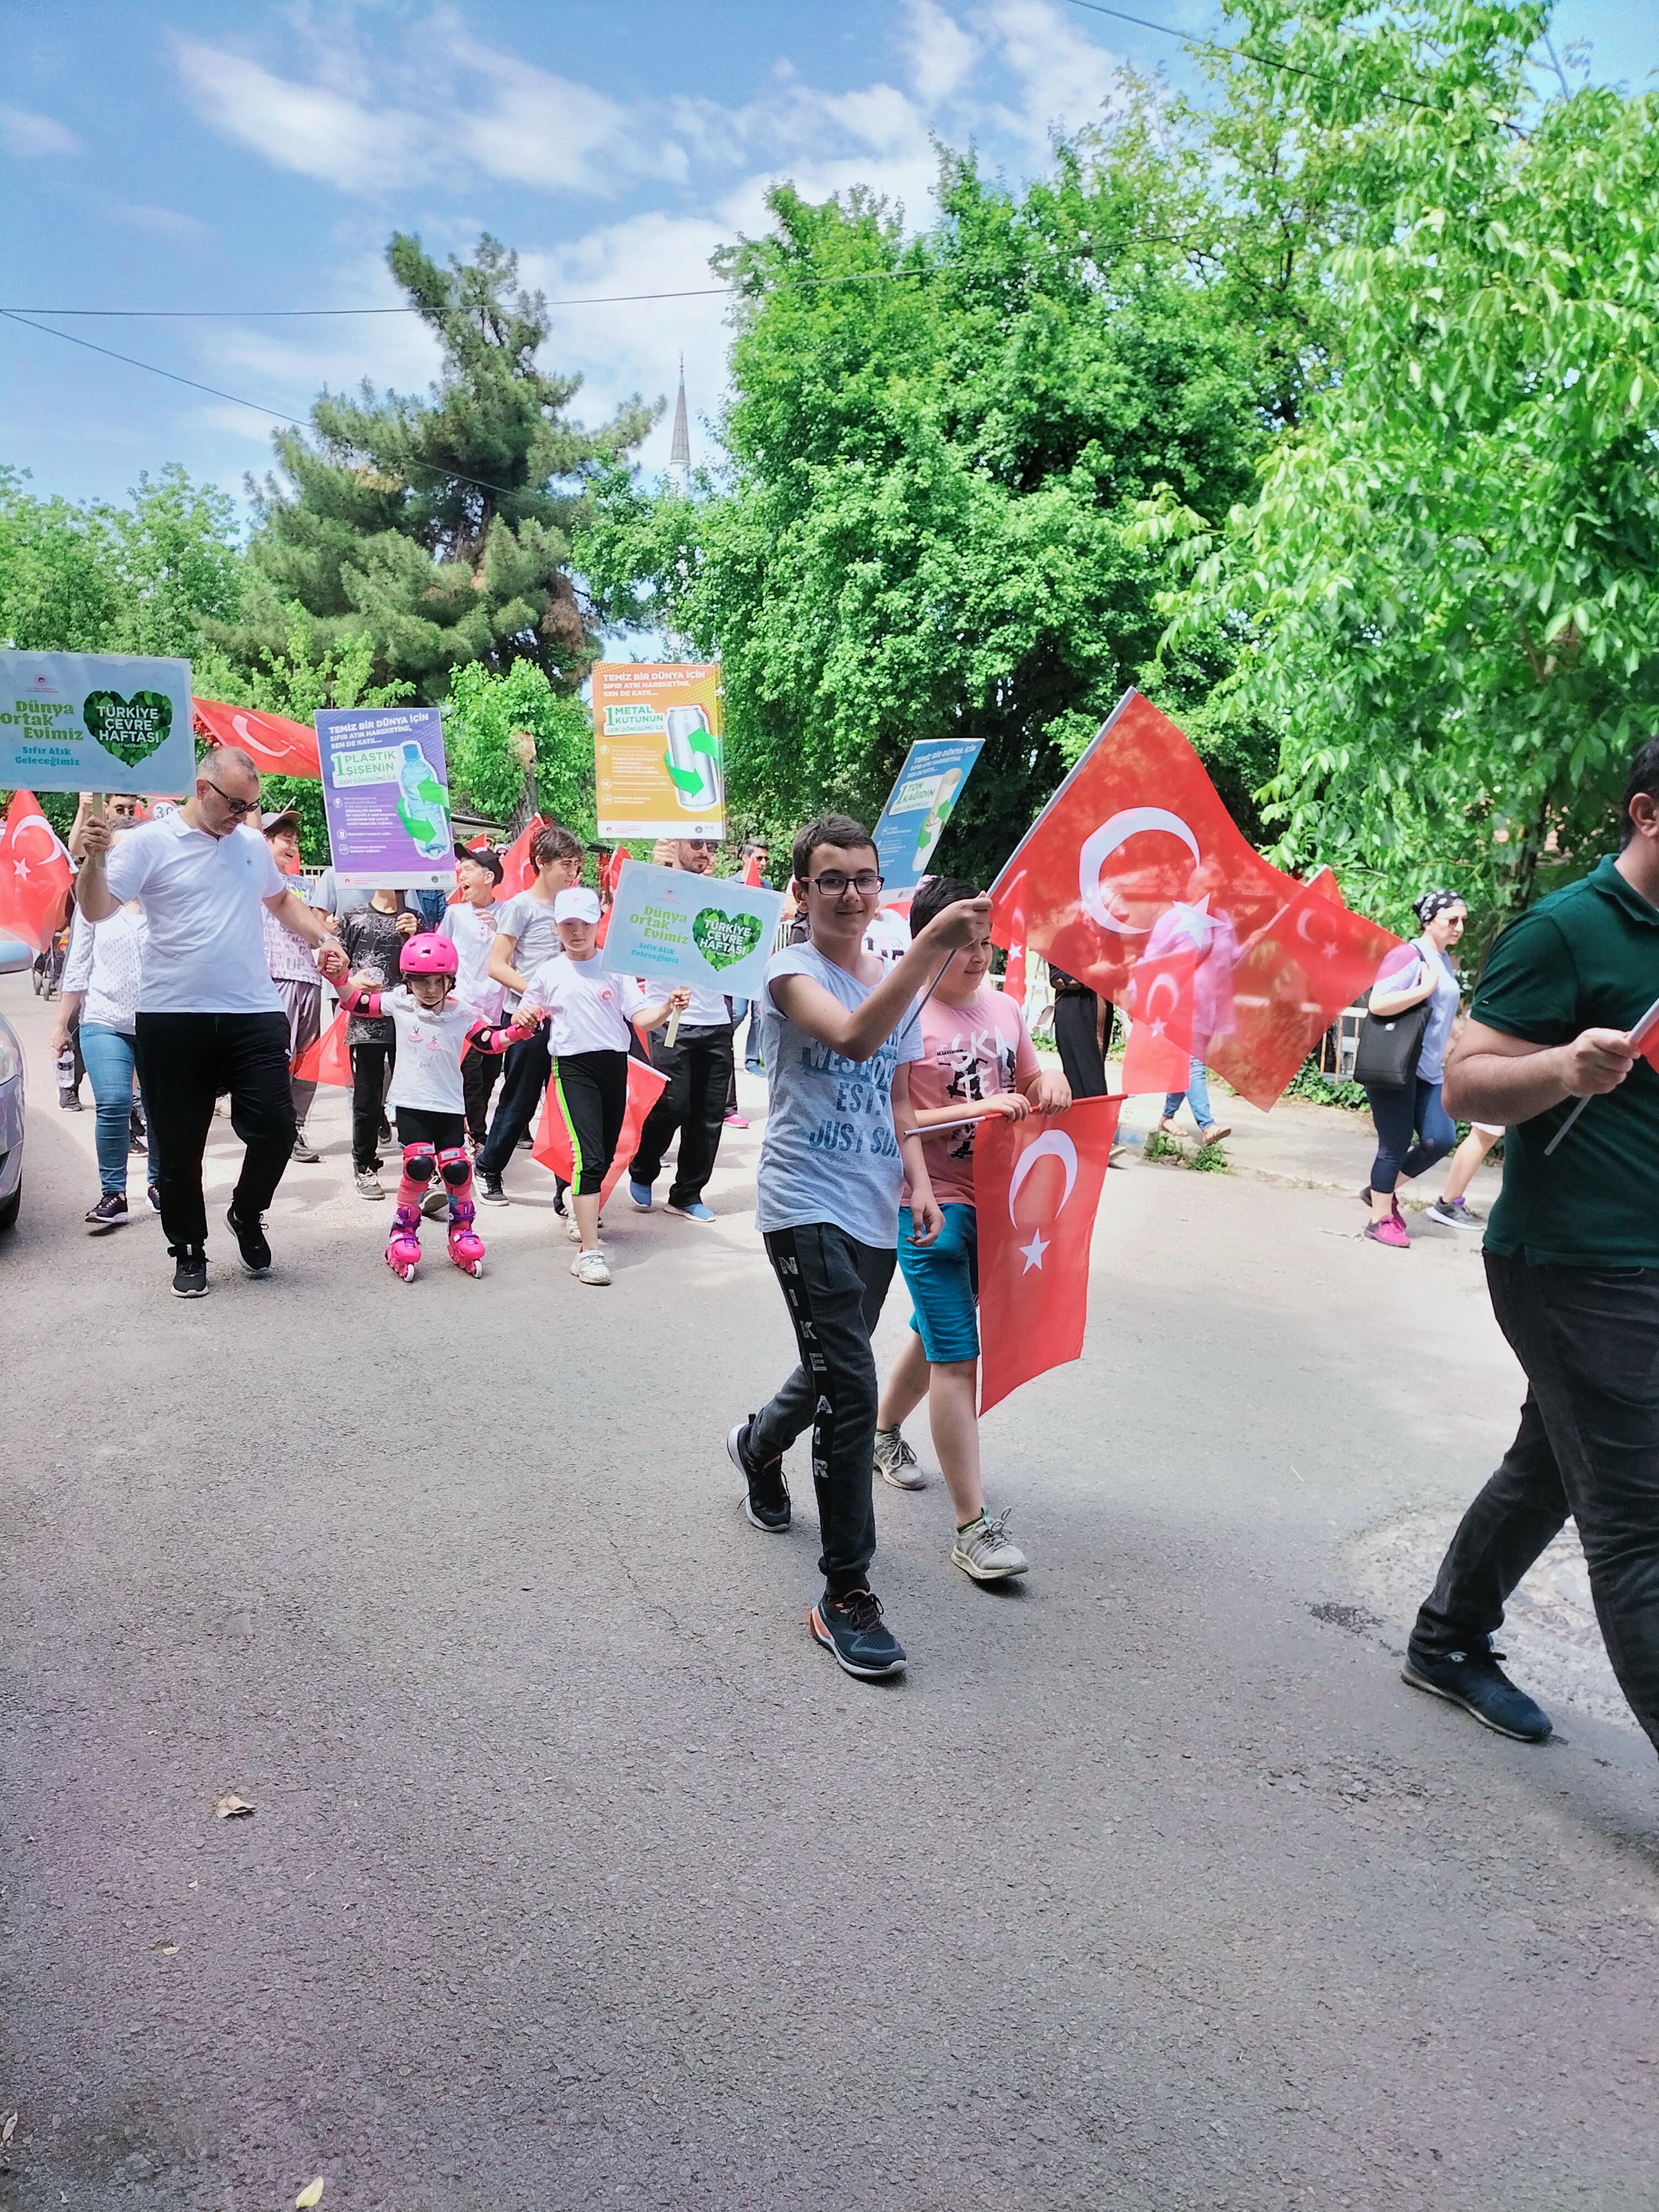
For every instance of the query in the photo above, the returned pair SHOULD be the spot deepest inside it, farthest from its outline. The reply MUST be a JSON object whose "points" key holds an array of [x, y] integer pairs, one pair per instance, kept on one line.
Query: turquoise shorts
{"points": [[943, 1281]]}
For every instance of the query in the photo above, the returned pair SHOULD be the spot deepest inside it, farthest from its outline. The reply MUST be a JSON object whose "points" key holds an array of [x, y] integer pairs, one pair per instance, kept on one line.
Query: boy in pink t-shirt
{"points": [[976, 1057]]}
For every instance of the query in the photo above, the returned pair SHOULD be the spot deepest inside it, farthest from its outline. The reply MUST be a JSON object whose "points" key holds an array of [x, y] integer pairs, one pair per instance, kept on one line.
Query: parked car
{"points": [[15, 957]]}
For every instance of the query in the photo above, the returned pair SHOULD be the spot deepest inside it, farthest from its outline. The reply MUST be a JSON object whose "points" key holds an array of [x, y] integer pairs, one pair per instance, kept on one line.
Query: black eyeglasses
{"points": [[832, 882], [237, 806]]}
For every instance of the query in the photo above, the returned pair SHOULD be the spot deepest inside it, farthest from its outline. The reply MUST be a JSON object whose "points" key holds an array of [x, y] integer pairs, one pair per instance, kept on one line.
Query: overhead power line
{"points": [[256, 406]]}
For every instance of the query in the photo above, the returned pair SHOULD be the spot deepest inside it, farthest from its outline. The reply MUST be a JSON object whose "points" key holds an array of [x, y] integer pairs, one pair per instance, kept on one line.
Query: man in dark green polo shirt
{"points": [[1572, 1263]]}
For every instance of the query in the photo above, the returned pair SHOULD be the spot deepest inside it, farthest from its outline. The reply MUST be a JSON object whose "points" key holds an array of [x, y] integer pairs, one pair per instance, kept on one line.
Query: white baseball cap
{"points": [[576, 904]]}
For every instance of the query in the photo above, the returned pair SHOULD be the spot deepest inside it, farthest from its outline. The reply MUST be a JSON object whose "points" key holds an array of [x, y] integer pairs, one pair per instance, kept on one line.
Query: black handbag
{"points": [[1389, 1047]]}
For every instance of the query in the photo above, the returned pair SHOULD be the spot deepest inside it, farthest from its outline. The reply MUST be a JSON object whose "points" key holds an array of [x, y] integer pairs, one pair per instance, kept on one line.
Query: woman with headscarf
{"points": [[1411, 975]]}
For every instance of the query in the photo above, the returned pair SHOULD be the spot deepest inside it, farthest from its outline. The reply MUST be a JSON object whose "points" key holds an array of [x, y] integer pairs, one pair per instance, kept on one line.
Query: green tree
{"points": [[936, 449], [1446, 587], [484, 711], [439, 528]]}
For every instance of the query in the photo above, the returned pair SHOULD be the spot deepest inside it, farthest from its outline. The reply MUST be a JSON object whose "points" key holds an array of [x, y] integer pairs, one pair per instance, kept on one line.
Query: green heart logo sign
{"points": [[132, 728], [723, 940]]}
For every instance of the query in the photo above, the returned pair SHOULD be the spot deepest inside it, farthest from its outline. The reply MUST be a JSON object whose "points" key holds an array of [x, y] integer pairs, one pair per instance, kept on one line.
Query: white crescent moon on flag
{"points": [[238, 723], [1149, 1011], [37, 821], [1302, 929], [1098, 848], [1054, 1147]]}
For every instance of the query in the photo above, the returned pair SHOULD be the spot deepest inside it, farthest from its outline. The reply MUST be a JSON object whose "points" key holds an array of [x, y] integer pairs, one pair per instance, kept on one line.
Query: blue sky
{"points": [[239, 157]]}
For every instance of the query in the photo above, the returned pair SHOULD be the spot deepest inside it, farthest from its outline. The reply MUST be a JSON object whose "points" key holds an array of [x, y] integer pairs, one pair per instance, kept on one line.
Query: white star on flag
{"points": [[1032, 1253]]}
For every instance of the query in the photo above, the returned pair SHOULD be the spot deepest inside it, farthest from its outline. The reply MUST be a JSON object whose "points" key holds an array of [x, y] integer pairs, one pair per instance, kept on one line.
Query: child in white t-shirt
{"points": [[589, 1010], [433, 1031]]}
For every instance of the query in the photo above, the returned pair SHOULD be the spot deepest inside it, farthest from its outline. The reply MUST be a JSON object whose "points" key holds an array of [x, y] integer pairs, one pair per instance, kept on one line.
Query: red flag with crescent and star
{"points": [[1036, 1184], [34, 873], [1160, 1050], [552, 1146], [1137, 830], [274, 744], [517, 869]]}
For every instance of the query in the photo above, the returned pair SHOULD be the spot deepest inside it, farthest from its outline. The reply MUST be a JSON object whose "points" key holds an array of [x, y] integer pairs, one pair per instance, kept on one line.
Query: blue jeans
{"points": [[751, 1058], [1398, 1114], [1197, 1093], [108, 1056]]}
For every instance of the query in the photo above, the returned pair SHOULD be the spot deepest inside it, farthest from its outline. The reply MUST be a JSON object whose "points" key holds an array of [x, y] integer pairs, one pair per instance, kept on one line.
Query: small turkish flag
{"points": [[1036, 1184], [552, 1146], [753, 879], [329, 1060], [34, 873], [1160, 1051], [517, 869]]}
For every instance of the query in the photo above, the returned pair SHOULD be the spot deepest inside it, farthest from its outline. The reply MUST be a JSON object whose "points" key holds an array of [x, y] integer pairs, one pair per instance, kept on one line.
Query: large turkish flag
{"points": [[552, 1146], [328, 1059], [1137, 830], [274, 744], [34, 873], [1036, 1184], [517, 869]]}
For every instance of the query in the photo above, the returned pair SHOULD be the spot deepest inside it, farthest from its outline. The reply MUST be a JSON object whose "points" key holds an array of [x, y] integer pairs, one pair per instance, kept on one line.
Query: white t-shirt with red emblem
{"points": [[590, 1008]]}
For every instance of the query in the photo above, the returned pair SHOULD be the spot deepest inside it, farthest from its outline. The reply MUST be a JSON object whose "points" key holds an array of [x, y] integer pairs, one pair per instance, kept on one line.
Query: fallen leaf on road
{"points": [[8, 2128], [232, 1807], [310, 2195]]}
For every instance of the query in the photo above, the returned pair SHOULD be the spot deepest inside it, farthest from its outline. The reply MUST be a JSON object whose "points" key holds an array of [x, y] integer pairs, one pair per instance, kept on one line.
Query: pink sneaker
{"points": [[737, 1121], [1391, 1232]]}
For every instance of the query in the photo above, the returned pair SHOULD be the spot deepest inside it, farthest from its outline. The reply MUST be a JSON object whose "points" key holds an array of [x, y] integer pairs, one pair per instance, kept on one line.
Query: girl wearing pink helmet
{"points": [[434, 1034]]}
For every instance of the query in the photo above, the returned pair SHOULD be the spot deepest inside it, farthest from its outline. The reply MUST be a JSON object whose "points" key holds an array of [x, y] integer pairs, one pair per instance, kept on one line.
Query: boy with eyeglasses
{"points": [[838, 1037]]}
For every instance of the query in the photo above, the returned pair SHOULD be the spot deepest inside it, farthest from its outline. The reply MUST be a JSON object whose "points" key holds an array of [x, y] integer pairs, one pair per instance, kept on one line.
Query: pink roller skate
{"points": [[465, 1245], [403, 1251]]}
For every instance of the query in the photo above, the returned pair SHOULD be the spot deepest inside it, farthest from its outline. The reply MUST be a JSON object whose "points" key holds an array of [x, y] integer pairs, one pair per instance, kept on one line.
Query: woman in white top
{"points": [[101, 977], [1411, 974]]}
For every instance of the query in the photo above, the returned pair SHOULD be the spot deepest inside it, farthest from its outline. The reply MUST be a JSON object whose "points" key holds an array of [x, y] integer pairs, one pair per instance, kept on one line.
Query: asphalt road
{"points": [[580, 1877]]}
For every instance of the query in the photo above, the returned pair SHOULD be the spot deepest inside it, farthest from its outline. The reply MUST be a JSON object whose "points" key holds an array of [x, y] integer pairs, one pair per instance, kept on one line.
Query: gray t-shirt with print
{"points": [[531, 921], [830, 1153]]}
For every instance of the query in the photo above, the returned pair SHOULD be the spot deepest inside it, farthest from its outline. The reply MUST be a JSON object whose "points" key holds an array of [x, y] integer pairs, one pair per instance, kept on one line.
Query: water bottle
{"points": [[66, 1068], [420, 804]]}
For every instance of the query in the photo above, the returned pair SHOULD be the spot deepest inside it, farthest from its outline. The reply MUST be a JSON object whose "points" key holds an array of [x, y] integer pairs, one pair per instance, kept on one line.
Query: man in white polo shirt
{"points": [[209, 1018]]}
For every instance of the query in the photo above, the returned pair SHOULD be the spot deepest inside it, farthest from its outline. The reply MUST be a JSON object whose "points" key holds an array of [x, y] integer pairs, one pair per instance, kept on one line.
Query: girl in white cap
{"points": [[590, 1010]]}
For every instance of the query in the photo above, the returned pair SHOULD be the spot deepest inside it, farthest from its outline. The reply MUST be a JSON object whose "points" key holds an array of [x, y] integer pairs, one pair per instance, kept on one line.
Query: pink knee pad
{"points": [[419, 1162]]}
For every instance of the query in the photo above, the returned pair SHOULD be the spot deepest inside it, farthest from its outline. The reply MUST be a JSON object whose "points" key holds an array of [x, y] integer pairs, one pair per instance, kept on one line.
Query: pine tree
{"points": [[439, 528]]}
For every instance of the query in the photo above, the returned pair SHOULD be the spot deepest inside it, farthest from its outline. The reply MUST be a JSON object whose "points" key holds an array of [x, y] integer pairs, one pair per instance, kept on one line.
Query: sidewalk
{"points": [[1300, 1146]]}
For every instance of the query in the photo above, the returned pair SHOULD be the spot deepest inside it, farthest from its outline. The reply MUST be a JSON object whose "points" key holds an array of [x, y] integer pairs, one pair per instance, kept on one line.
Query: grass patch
{"points": [[1160, 1147], [1208, 1159]]}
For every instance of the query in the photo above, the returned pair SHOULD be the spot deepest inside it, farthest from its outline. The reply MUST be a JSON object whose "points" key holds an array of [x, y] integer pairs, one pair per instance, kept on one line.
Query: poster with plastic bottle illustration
{"points": [[657, 758], [912, 821], [386, 795]]}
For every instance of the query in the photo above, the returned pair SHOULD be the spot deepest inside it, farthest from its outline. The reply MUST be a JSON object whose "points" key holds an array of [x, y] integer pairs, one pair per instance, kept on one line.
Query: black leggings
{"points": [[371, 1066], [1081, 1054], [591, 1089]]}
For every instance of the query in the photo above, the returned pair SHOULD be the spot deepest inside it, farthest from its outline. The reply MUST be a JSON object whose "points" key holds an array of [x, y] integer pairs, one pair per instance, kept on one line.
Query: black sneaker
{"points": [[766, 1504], [305, 1152], [491, 1192], [1475, 1680], [70, 1101], [110, 1212], [251, 1243], [190, 1275], [385, 1134], [136, 1139], [153, 1196], [526, 1143], [851, 1627]]}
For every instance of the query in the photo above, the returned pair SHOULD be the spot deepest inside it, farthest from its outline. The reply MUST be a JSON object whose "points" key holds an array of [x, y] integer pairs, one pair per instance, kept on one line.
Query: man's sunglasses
{"points": [[237, 806], [832, 882]]}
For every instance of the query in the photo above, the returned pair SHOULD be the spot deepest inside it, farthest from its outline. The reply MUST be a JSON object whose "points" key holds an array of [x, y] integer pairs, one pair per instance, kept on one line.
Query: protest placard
{"points": [[386, 795], [668, 926], [95, 721], [929, 785], [658, 765]]}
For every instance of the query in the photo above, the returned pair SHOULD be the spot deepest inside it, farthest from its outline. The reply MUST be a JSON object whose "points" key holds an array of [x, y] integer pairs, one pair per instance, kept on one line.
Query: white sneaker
{"points": [[895, 1462], [983, 1550], [590, 1267]]}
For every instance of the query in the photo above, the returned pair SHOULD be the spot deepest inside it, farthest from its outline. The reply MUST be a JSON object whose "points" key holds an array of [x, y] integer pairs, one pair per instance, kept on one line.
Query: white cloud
{"points": [[164, 222], [32, 137], [310, 129], [1063, 77], [942, 54]]}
